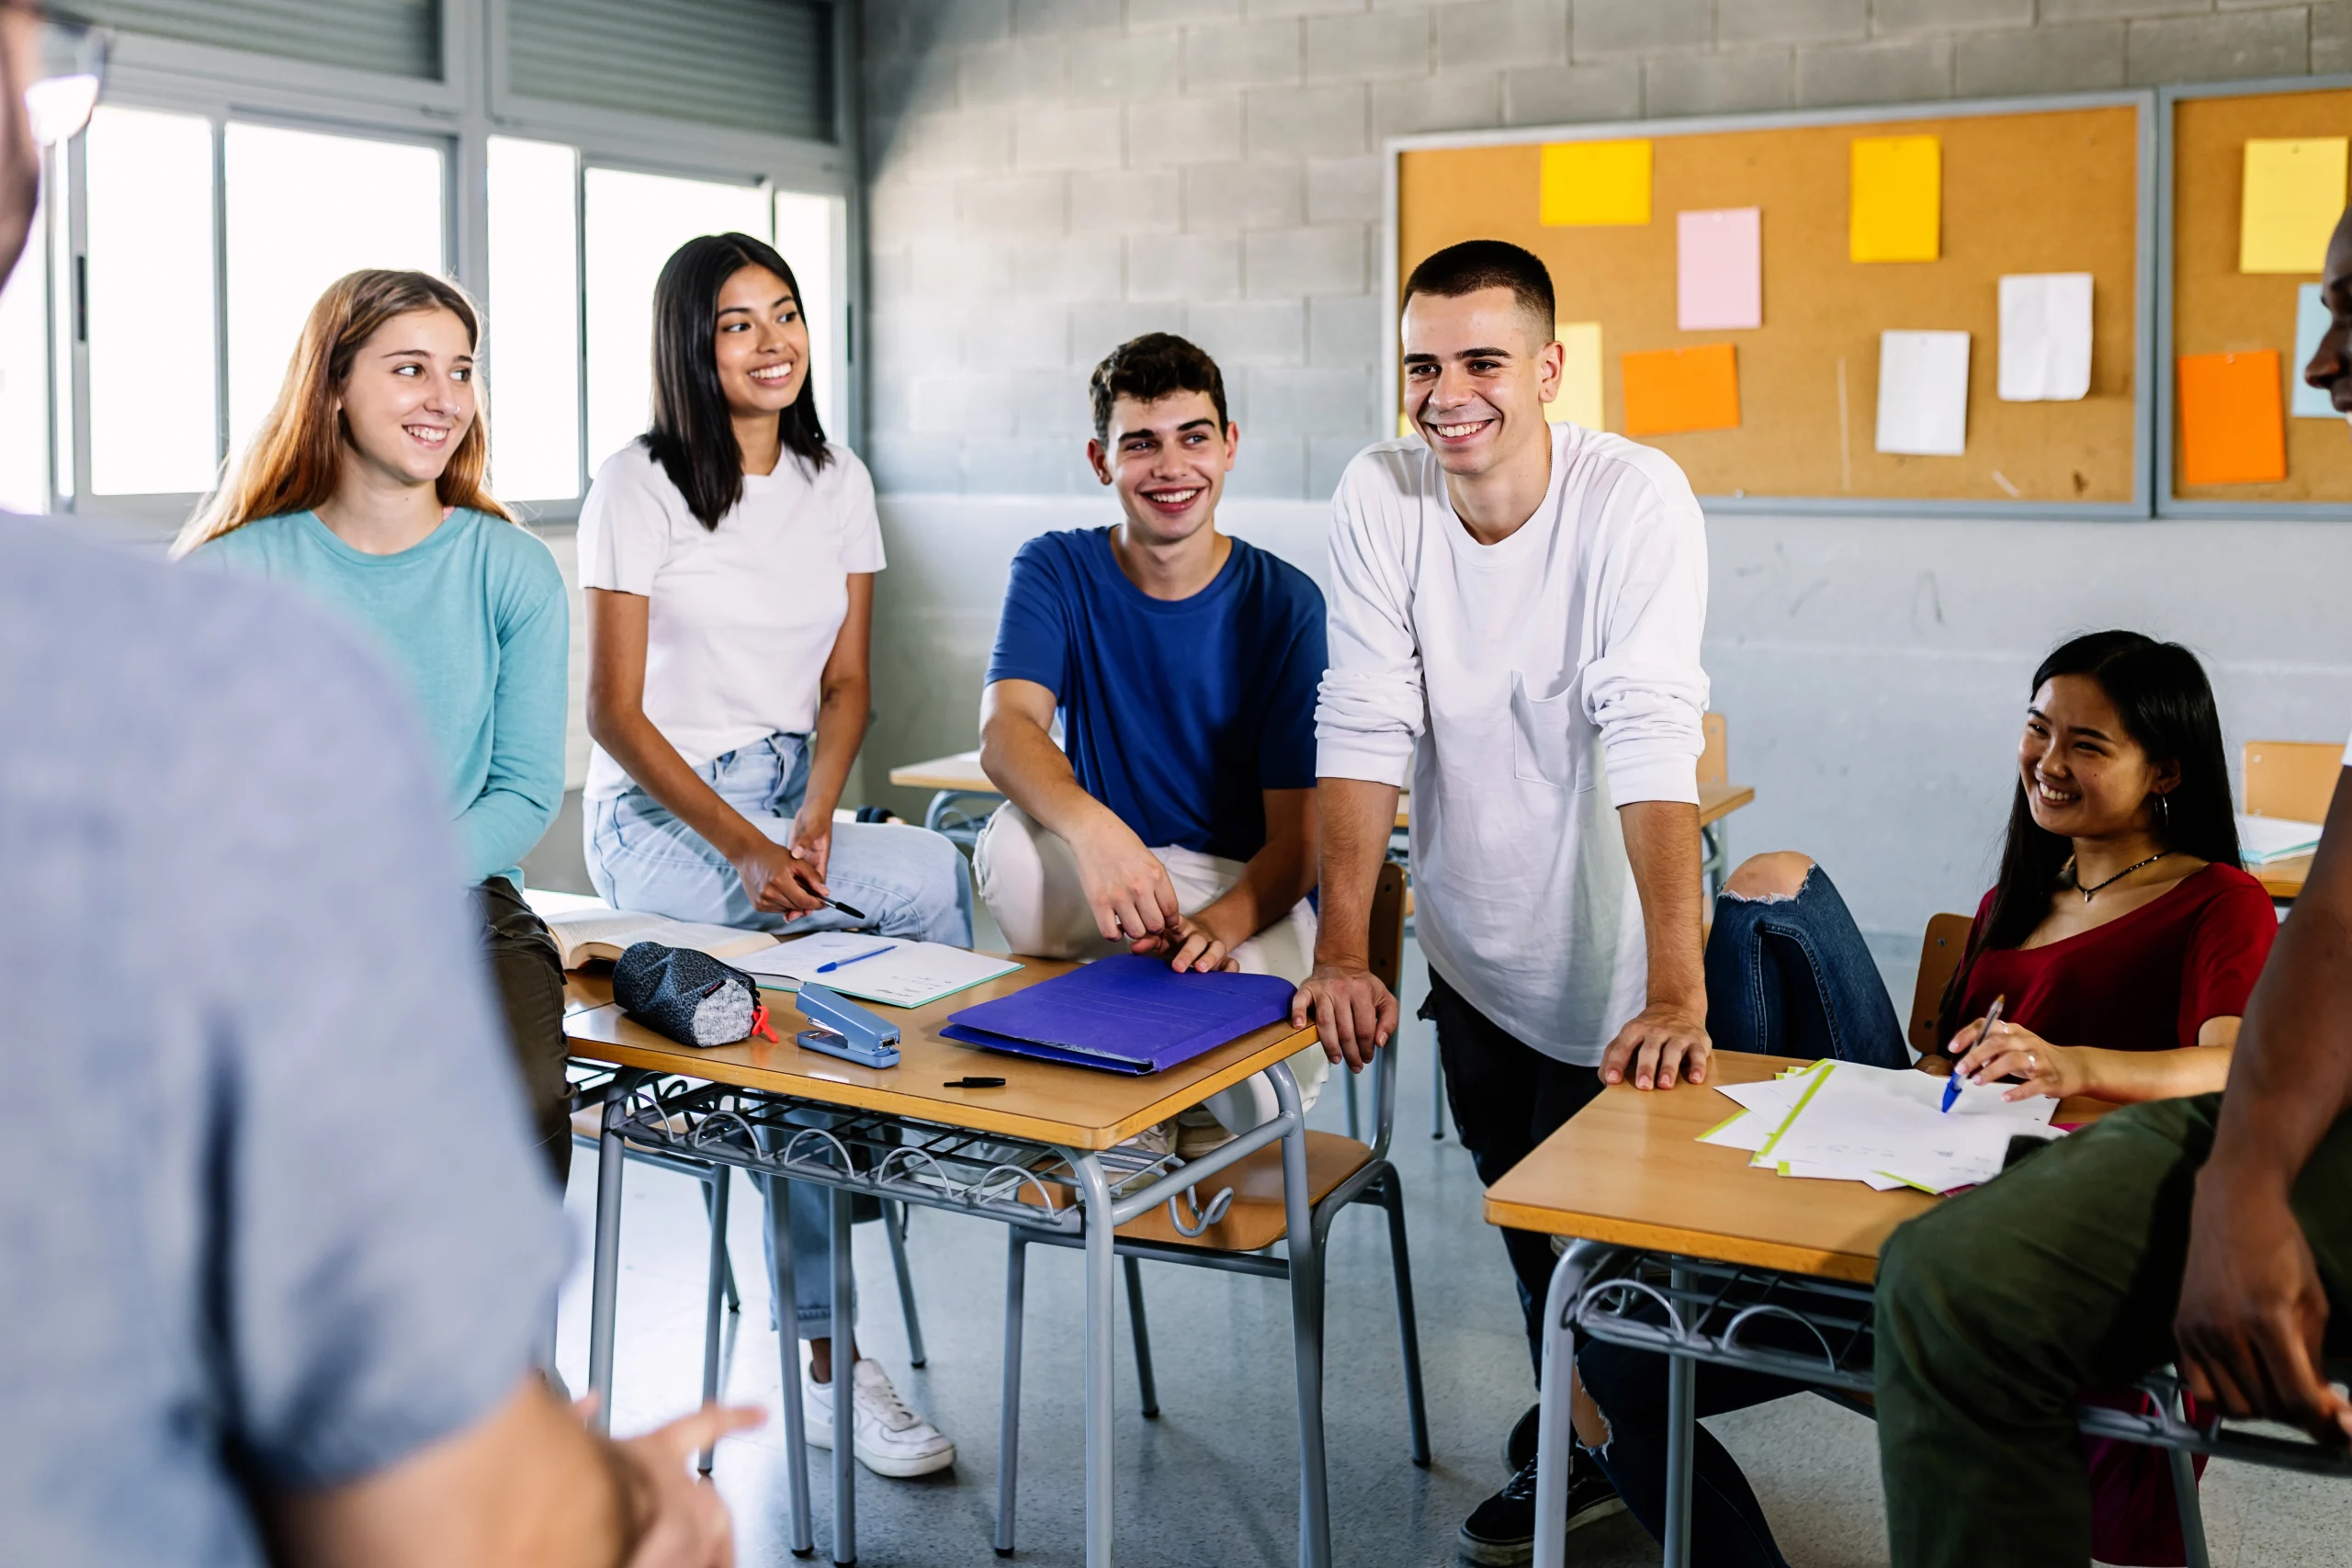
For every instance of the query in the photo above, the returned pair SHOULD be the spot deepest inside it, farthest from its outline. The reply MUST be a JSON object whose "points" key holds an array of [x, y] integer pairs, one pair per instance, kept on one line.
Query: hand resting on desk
{"points": [[1352, 1012]]}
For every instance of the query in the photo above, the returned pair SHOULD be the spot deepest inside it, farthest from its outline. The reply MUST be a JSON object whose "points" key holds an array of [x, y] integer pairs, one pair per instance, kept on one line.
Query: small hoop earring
{"points": [[2164, 811]]}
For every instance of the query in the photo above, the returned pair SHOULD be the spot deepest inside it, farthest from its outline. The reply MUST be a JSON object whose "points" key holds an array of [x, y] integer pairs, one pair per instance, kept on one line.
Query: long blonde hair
{"points": [[296, 458]]}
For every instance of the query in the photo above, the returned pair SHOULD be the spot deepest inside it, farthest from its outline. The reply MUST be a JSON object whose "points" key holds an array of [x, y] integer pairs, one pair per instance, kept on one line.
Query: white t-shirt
{"points": [[1527, 688], [744, 614]]}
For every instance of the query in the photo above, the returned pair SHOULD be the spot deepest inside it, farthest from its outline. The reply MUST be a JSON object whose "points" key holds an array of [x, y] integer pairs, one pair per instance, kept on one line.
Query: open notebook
{"points": [[587, 928]]}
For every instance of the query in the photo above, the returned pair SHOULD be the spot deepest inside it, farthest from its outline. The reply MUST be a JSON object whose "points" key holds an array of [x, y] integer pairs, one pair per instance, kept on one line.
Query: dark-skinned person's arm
{"points": [[2252, 1312], [1668, 1039], [1352, 1012]]}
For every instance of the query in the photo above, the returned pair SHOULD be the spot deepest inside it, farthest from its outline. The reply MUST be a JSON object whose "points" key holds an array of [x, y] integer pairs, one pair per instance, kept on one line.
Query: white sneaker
{"points": [[891, 1439]]}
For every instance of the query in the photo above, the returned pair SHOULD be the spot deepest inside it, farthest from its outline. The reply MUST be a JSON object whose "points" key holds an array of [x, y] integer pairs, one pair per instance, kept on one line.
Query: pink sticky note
{"points": [[1719, 270]]}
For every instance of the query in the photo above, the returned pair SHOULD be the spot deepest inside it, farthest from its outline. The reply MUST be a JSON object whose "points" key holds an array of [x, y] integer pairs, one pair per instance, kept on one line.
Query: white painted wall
{"points": [[1872, 670]]}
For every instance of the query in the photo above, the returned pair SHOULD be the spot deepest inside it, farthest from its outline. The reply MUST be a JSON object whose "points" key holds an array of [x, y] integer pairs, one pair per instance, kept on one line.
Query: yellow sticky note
{"points": [[1579, 398], [1595, 183], [2294, 193], [1898, 198]]}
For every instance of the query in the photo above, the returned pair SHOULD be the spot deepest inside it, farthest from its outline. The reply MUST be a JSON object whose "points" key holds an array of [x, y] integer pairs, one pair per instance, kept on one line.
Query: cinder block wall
{"points": [[1051, 176]]}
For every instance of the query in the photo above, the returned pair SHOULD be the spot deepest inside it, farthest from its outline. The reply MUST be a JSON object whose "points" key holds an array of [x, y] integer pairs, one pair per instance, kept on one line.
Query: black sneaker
{"points": [[1519, 1449], [1501, 1531]]}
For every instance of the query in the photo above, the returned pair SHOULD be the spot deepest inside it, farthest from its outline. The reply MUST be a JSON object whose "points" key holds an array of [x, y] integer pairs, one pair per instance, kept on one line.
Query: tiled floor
{"points": [[1212, 1481]]}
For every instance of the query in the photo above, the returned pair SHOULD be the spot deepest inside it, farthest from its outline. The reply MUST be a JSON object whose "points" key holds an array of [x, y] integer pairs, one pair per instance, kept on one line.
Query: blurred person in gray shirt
{"points": [[274, 1252]]}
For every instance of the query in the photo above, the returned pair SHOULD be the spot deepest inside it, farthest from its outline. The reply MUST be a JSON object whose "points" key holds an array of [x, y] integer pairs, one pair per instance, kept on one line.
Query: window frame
{"points": [[458, 114]]}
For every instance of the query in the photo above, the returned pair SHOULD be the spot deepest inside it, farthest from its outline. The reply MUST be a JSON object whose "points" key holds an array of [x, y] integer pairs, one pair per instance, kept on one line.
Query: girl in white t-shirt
{"points": [[729, 558]]}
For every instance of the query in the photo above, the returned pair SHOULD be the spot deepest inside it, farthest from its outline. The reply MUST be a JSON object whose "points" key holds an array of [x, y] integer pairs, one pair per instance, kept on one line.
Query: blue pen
{"points": [[845, 963], [1952, 1084]]}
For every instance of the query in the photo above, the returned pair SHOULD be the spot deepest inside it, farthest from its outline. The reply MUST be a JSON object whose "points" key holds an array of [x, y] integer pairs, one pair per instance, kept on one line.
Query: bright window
{"points": [[24, 381], [305, 209], [154, 422], [532, 379], [808, 234], [634, 222]]}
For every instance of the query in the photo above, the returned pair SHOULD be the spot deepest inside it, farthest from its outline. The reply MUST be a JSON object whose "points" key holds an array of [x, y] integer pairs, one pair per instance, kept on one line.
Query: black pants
{"points": [[1507, 1098], [528, 972]]}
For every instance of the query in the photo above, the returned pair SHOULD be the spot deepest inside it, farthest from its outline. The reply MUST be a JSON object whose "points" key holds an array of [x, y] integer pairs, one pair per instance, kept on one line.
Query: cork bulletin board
{"points": [[2027, 187], [2212, 307]]}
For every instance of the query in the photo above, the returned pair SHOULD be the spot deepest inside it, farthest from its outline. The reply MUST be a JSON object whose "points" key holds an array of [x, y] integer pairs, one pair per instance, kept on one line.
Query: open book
{"points": [[587, 928]]}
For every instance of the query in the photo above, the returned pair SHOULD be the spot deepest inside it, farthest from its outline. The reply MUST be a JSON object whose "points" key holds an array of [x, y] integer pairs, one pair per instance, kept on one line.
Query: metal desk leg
{"points": [[844, 1309], [604, 1285], [784, 1291], [714, 1296], [1101, 1335], [1306, 1328], [2184, 1488], [1552, 1423], [1681, 1432]]}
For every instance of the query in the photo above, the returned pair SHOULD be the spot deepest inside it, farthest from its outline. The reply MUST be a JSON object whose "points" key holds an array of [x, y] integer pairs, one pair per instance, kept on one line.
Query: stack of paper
{"points": [[2261, 839], [1841, 1120], [876, 968]]}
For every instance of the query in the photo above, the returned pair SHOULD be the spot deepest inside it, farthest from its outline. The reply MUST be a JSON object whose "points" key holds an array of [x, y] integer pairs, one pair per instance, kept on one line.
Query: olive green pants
{"points": [[1997, 1306]]}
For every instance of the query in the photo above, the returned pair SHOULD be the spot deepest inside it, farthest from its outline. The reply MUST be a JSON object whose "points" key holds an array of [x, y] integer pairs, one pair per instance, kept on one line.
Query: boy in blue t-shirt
{"points": [[1177, 815]]}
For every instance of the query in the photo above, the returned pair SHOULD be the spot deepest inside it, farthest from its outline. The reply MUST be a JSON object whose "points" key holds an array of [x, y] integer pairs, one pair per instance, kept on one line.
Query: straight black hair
{"points": [[2160, 692], [693, 436]]}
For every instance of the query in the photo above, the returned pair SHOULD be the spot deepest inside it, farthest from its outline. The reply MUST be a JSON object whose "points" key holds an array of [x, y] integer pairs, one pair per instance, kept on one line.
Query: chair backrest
{"points": [[2292, 779], [1939, 954], [1715, 762], [1387, 955]]}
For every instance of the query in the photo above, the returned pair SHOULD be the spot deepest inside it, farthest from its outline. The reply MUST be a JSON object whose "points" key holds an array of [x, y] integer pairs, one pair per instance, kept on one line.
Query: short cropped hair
{"points": [[1474, 265], [1150, 367]]}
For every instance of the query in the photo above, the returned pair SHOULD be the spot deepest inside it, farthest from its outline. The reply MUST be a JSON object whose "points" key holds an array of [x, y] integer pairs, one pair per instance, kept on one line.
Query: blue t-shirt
{"points": [[474, 616], [1176, 714]]}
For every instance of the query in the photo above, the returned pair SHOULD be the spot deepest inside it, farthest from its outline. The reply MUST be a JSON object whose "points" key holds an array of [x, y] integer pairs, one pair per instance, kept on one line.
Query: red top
{"points": [[2145, 981]]}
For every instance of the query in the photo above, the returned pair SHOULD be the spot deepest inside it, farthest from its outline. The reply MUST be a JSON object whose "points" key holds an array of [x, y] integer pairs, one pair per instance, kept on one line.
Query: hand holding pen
{"points": [[1984, 1032]]}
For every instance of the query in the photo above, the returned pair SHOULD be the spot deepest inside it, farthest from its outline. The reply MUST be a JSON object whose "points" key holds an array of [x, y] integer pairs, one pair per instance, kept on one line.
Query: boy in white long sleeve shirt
{"points": [[1515, 624]]}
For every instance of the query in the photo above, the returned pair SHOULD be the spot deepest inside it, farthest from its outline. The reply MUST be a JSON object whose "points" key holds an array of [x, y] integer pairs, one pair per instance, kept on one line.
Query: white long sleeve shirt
{"points": [[1526, 689]]}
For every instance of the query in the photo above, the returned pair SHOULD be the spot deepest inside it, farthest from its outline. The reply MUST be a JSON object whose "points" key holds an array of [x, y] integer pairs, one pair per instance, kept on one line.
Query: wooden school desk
{"points": [[1626, 1177], [1018, 1154]]}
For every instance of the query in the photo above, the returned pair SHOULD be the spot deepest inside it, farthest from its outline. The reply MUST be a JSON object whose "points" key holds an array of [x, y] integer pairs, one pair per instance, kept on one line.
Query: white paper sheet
{"points": [[1923, 393], [1763, 1106], [1863, 1120], [2261, 839], [905, 973], [2045, 337]]}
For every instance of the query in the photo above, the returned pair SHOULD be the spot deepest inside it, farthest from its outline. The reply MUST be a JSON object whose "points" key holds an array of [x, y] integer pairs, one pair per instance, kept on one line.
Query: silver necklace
{"points": [[2112, 880]]}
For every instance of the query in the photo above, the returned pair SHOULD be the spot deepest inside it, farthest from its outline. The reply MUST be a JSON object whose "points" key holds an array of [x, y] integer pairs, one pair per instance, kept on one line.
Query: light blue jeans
{"points": [[909, 882]]}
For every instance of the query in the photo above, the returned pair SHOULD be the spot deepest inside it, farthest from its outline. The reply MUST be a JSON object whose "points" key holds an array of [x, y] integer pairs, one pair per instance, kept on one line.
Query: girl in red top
{"points": [[2126, 937]]}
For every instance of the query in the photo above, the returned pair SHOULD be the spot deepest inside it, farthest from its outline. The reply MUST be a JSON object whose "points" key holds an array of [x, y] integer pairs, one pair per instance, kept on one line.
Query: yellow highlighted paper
{"points": [[2294, 193], [1898, 199], [1579, 399], [1590, 183]]}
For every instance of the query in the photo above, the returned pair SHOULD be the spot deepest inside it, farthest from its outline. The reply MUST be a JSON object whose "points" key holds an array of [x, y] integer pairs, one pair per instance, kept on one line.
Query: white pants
{"points": [[1028, 877]]}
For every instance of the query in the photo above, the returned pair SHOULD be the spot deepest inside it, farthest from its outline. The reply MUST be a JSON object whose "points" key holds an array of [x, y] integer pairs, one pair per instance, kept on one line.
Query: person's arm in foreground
{"points": [[777, 880], [844, 703], [1127, 887], [2252, 1311], [526, 1486], [1353, 1013], [1668, 1035]]}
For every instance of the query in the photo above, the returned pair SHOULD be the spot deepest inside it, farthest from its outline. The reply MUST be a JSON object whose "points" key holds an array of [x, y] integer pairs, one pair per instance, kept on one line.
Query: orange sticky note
{"points": [[1669, 391], [2232, 428]]}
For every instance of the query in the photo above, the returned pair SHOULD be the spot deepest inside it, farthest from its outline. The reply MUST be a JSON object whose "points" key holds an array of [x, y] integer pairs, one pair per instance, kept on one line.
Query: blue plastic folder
{"points": [[1127, 1013]]}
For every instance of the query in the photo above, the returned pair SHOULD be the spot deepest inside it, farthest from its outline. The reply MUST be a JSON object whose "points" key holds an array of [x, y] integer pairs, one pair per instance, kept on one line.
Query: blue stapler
{"points": [[846, 1029]]}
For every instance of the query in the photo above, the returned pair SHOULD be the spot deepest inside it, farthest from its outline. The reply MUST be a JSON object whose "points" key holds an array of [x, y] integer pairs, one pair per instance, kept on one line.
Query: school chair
{"points": [[1240, 1228], [2294, 779], [587, 1132], [1940, 951]]}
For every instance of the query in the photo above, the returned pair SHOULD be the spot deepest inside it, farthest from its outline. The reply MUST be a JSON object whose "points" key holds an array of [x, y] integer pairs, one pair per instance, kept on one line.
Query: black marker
{"points": [[973, 1083], [844, 909]]}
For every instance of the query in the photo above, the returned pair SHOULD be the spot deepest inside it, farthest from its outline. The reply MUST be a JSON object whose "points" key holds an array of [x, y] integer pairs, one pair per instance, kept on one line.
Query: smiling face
{"points": [[1478, 370], [761, 343], [2330, 368], [1167, 459], [408, 399], [2084, 776]]}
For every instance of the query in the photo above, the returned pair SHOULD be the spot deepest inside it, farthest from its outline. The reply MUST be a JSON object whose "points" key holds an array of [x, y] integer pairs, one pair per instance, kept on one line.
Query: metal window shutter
{"points": [[394, 38], [753, 64]]}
